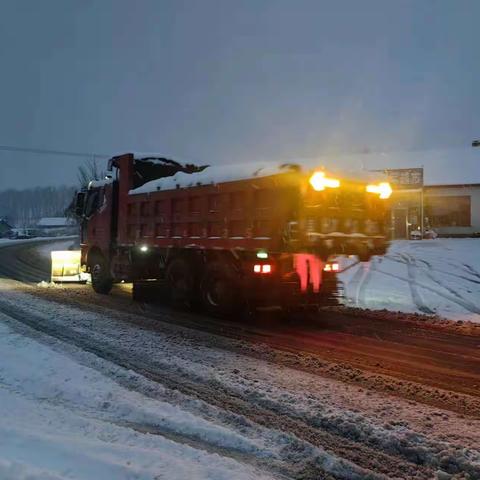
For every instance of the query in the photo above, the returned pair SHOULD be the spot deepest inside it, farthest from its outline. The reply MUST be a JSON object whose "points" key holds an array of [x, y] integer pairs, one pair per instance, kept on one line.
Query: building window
{"points": [[448, 211]]}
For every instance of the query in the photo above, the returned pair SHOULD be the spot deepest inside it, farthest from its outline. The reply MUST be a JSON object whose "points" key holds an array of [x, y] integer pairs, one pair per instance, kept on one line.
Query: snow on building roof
{"points": [[55, 222], [5, 223]]}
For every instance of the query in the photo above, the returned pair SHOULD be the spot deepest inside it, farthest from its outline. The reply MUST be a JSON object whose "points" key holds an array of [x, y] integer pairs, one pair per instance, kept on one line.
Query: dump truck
{"points": [[227, 237]]}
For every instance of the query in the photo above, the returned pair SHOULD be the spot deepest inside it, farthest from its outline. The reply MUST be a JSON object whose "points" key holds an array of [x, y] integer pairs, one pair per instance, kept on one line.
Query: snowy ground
{"points": [[77, 415], [439, 277], [69, 421]]}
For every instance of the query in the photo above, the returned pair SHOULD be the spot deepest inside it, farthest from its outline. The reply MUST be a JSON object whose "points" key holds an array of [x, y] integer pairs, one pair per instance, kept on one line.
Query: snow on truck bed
{"points": [[440, 277], [228, 173], [212, 175]]}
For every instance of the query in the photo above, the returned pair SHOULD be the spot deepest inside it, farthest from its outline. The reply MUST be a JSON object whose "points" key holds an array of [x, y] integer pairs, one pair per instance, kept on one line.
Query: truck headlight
{"points": [[383, 189], [319, 182]]}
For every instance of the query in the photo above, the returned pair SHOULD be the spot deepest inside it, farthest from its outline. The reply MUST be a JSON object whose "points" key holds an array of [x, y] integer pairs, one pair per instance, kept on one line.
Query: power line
{"points": [[41, 151]]}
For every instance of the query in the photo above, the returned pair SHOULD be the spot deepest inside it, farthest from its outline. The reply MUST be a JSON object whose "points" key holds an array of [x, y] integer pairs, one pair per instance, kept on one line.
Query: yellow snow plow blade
{"points": [[66, 266]]}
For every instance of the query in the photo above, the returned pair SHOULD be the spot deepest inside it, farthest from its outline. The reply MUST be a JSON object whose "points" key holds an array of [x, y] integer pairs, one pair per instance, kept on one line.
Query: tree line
{"points": [[23, 208]]}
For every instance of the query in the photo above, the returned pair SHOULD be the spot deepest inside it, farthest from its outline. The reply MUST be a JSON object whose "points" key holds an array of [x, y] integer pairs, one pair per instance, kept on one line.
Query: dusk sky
{"points": [[229, 81]]}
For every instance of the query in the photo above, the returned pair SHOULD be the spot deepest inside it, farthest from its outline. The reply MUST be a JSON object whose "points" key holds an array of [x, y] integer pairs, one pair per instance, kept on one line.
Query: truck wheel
{"points": [[180, 283], [220, 290], [138, 292], [101, 279]]}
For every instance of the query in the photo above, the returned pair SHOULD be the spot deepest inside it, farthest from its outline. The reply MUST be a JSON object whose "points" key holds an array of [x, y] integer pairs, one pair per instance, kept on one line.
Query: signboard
{"points": [[405, 178]]}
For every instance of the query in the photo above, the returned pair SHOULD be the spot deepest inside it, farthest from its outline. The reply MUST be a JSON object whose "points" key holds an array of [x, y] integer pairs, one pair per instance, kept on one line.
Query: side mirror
{"points": [[80, 204]]}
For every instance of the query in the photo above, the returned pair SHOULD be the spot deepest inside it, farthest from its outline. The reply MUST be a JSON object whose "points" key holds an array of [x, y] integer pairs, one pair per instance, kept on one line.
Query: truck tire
{"points": [[180, 283], [102, 281], [220, 290], [138, 292]]}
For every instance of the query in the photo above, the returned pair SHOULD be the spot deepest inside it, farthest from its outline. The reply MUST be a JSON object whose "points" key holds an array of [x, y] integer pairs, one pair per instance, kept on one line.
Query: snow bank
{"points": [[440, 277]]}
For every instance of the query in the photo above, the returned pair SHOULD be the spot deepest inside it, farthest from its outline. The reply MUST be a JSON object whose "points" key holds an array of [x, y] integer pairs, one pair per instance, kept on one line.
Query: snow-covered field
{"points": [[439, 277]]}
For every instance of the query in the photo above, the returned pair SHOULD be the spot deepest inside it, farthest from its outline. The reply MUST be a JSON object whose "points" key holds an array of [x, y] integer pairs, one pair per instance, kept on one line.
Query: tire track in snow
{"points": [[431, 275], [431, 289], [471, 270], [396, 258], [354, 286], [412, 274], [370, 267], [457, 297]]}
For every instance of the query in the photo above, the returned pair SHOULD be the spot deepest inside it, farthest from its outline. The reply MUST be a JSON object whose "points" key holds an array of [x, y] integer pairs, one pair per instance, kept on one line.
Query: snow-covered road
{"points": [[95, 388], [90, 392]]}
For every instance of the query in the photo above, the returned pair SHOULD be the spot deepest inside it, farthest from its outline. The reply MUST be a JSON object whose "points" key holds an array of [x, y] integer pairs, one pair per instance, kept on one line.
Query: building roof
{"points": [[4, 222], [55, 222]]}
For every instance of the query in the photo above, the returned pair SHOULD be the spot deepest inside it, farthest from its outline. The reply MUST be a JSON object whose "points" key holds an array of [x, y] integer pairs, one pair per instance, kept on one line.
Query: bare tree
{"points": [[90, 170]]}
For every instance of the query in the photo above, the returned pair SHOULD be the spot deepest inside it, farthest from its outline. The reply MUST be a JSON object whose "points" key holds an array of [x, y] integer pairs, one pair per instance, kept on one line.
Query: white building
{"points": [[451, 190], [453, 209], [52, 226]]}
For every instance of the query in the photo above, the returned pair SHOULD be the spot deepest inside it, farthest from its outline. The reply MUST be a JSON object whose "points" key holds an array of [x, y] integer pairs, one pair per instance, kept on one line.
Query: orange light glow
{"points": [[383, 189], [319, 181]]}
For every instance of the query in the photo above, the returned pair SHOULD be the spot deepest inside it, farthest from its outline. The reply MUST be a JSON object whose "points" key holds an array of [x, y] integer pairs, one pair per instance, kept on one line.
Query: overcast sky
{"points": [[226, 81]]}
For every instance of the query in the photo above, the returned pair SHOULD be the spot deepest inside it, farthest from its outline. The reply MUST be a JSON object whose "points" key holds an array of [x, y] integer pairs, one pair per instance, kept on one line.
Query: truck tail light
{"points": [[262, 268], [331, 267]]}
